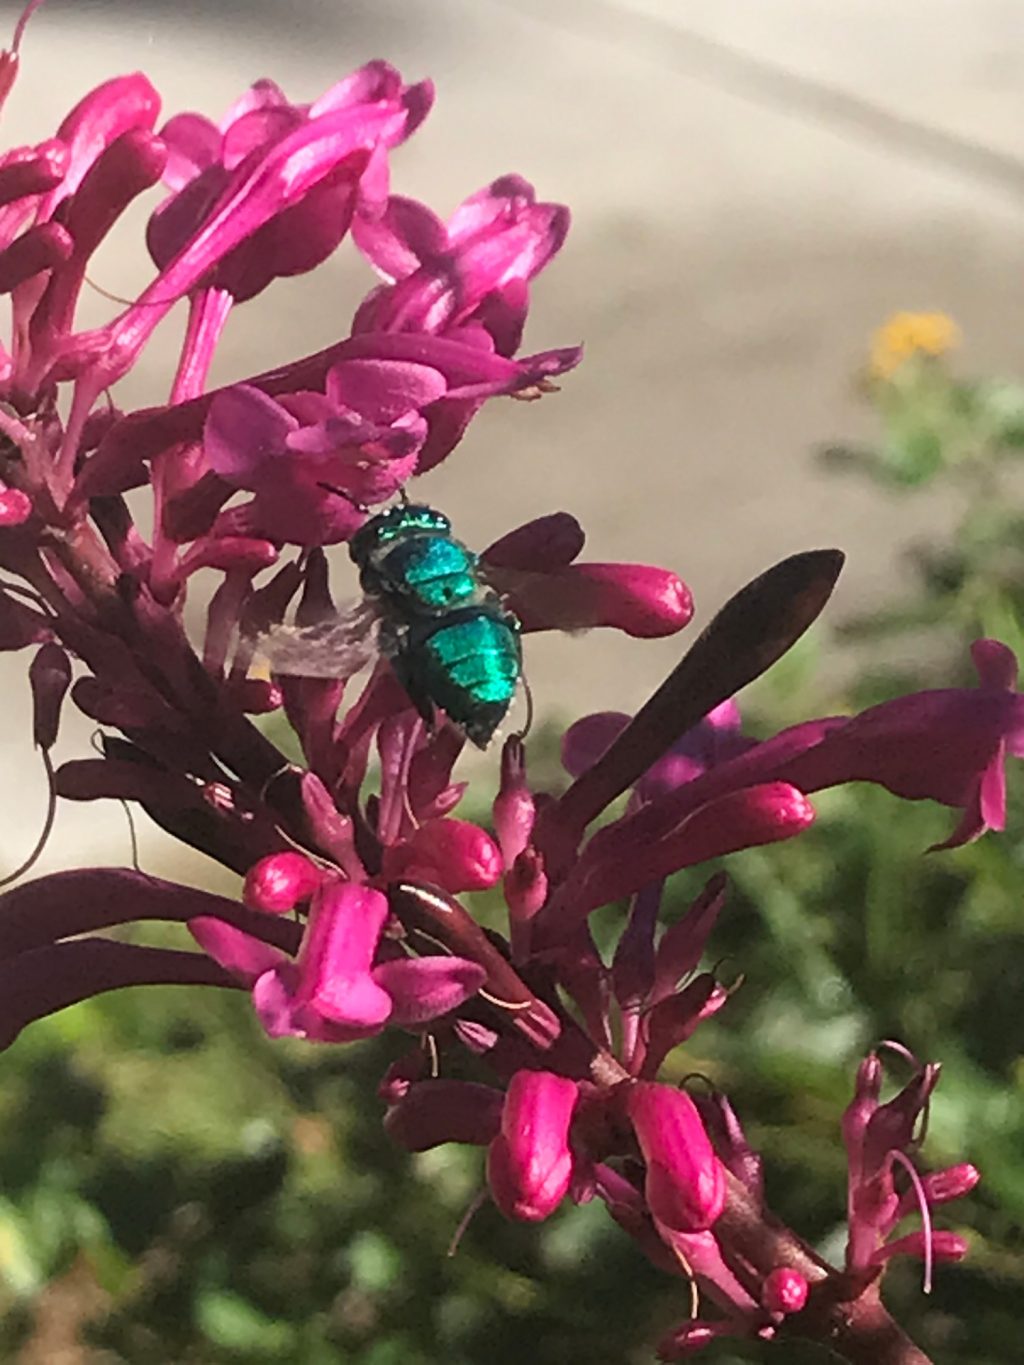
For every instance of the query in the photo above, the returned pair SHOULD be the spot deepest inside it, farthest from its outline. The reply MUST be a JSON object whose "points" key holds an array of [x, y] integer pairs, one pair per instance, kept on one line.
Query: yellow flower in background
{"points": [[910, 334]]}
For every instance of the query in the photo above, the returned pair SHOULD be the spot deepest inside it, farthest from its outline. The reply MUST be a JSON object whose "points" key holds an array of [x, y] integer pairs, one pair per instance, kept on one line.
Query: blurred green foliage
{"points": [[176, 1188]]}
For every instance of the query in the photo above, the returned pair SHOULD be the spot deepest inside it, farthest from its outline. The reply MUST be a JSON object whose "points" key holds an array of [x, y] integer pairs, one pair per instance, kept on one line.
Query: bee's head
{"points": [[404, 519]]}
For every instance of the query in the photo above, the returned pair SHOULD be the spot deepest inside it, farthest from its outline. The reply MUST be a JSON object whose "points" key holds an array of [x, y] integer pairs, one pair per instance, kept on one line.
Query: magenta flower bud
{"points": [[455, 854], [867, 1089], [19, 624], [640, 599], [277, 884], [433, 1112], [514, 806], [675, 1018], [229, 552], [891, 1127], [32, 170], [685, 1183], [530, 1162], [941, 1187], [43, 247], [50, 677], [940, 1246], [526, 886], [333, 831], [683, 943], [542, 545], [15, 507], [784, 1290], [630, 854]]}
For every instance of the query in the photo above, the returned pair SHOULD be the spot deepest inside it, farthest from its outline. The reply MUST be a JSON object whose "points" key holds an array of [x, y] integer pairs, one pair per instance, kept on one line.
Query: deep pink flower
{"points": [[328, 993], [316, 461], [474, 270], [533, 569], [947, 745], [880, 1141], [530, 1162], [206, 159], [684, 1183]]}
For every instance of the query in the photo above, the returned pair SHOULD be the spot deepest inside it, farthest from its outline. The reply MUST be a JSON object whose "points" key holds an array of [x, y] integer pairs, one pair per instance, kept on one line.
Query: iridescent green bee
{"points": [[450, 640]]}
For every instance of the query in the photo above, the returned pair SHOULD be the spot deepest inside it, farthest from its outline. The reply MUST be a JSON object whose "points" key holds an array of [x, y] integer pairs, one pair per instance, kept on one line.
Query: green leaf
{"points": [[234, 1324]]}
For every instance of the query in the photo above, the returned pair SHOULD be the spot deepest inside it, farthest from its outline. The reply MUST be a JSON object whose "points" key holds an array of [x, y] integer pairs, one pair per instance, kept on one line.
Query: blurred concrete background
{"points": [[755, 185]]}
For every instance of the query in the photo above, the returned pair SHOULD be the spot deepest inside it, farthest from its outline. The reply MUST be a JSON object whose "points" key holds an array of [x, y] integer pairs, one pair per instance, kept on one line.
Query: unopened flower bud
{"points": [[455, 854], [514, 807], [526, 886], [15, 506], [433, 1112], [278, 882], [50, 677], [685, 1183], [942, 1246], [530, 1162], [784, 1290]]}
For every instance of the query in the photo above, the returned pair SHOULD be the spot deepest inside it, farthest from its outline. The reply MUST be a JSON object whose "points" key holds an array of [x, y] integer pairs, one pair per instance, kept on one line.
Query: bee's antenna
{"points": [[340, 492]]}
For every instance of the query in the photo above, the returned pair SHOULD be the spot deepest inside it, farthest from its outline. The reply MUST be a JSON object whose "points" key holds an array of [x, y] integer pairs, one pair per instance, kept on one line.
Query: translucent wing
{"points": [[334, 648]]}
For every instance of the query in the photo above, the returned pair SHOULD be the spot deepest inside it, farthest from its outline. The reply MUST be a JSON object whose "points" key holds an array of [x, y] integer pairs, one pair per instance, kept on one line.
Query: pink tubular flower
{"points": [[328, 993], [684, 1184], [352, 916], [467, 282], [533, 568], [880, 1139], [475, 271], [314, 461], [371, 111], [530, 1162]]}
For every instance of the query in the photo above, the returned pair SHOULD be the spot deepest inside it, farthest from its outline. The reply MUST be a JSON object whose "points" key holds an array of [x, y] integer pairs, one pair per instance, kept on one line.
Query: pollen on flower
{"points": [[905, 335]]}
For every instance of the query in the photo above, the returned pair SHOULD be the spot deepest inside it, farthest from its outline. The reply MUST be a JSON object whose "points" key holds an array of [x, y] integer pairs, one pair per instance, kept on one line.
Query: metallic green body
{"points": [[451, 642]]}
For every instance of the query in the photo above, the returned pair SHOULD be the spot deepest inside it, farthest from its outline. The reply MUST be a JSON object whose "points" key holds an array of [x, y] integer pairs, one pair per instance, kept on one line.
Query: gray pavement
{"points": [[755, 185]]}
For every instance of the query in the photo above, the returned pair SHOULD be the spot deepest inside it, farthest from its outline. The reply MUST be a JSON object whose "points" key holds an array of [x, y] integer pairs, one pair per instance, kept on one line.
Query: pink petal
{"points": [[406, 236], [424, 988], [193, 143], [542, 545], [243, 430], [245, 957], [384, 390]]}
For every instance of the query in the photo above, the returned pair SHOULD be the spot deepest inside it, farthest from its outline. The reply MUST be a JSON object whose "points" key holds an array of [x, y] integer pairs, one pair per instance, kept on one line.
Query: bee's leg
{"points": [[528, 694], [404, 663]]}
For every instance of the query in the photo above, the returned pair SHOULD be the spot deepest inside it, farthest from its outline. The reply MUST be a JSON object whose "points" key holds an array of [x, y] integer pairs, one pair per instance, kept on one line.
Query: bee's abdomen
{"points": [[469, 664]]}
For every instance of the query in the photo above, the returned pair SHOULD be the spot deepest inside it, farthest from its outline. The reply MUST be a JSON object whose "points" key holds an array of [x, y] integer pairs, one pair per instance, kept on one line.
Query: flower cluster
{"points": [[351, 918], [906, 336]]}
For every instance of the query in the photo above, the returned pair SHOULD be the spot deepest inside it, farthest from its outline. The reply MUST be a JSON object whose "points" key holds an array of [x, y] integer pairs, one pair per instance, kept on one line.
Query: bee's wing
{"points": [[337, 647]]}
